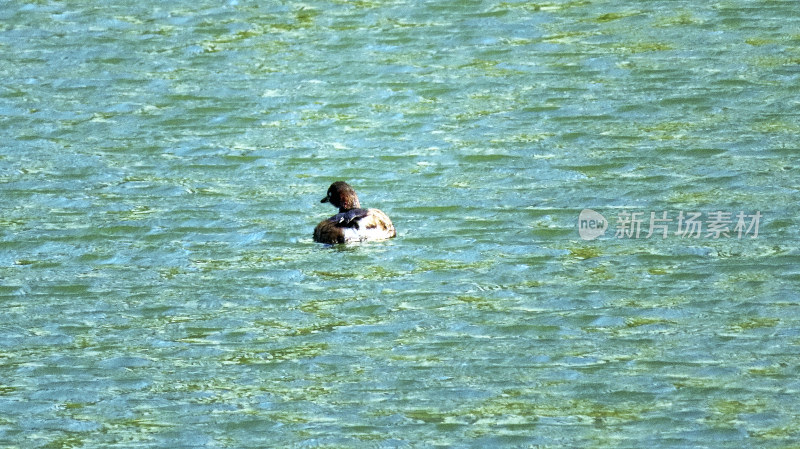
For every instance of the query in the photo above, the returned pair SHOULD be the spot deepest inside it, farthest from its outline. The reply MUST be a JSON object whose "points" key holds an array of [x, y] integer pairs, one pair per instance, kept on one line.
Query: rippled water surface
{"points": [[160, 174]]}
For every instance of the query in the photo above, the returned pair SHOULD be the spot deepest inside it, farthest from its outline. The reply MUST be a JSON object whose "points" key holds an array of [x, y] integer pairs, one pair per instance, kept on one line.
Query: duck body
{"points": [[352, 223]]}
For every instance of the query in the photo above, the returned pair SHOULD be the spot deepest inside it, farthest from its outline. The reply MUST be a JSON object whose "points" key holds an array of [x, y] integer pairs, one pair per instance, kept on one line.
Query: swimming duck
{"points": [[352, 223]]}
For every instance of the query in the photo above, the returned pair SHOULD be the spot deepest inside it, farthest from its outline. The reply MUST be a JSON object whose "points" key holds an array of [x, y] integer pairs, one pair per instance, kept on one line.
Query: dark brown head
{"points": [[341, 195]]}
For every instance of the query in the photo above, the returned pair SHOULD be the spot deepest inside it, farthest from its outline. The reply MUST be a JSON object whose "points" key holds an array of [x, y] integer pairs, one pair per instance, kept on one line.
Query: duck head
{"points": [[341, 195]]}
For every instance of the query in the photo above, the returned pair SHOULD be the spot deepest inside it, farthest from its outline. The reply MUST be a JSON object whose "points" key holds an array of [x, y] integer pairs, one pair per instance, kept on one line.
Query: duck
{"points": [[352, 223]]}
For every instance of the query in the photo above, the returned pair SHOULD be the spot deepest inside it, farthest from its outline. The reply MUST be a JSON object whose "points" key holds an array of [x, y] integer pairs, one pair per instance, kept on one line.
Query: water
{"points": [[160, 177]]}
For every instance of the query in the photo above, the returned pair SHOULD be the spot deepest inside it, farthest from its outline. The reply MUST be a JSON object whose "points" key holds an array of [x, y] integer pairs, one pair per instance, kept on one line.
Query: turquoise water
{"points": [[160, 177]]}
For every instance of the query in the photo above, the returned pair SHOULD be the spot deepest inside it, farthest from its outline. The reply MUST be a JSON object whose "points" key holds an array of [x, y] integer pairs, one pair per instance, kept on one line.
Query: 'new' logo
{"points": [[591, 224]]}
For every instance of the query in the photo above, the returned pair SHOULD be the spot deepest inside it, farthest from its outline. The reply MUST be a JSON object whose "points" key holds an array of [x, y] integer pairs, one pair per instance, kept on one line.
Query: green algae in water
{"points": [[162, 179]]}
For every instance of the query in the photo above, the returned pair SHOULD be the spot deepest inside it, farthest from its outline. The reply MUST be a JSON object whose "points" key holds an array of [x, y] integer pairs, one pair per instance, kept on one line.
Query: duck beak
{"points": [[324, 200]]}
